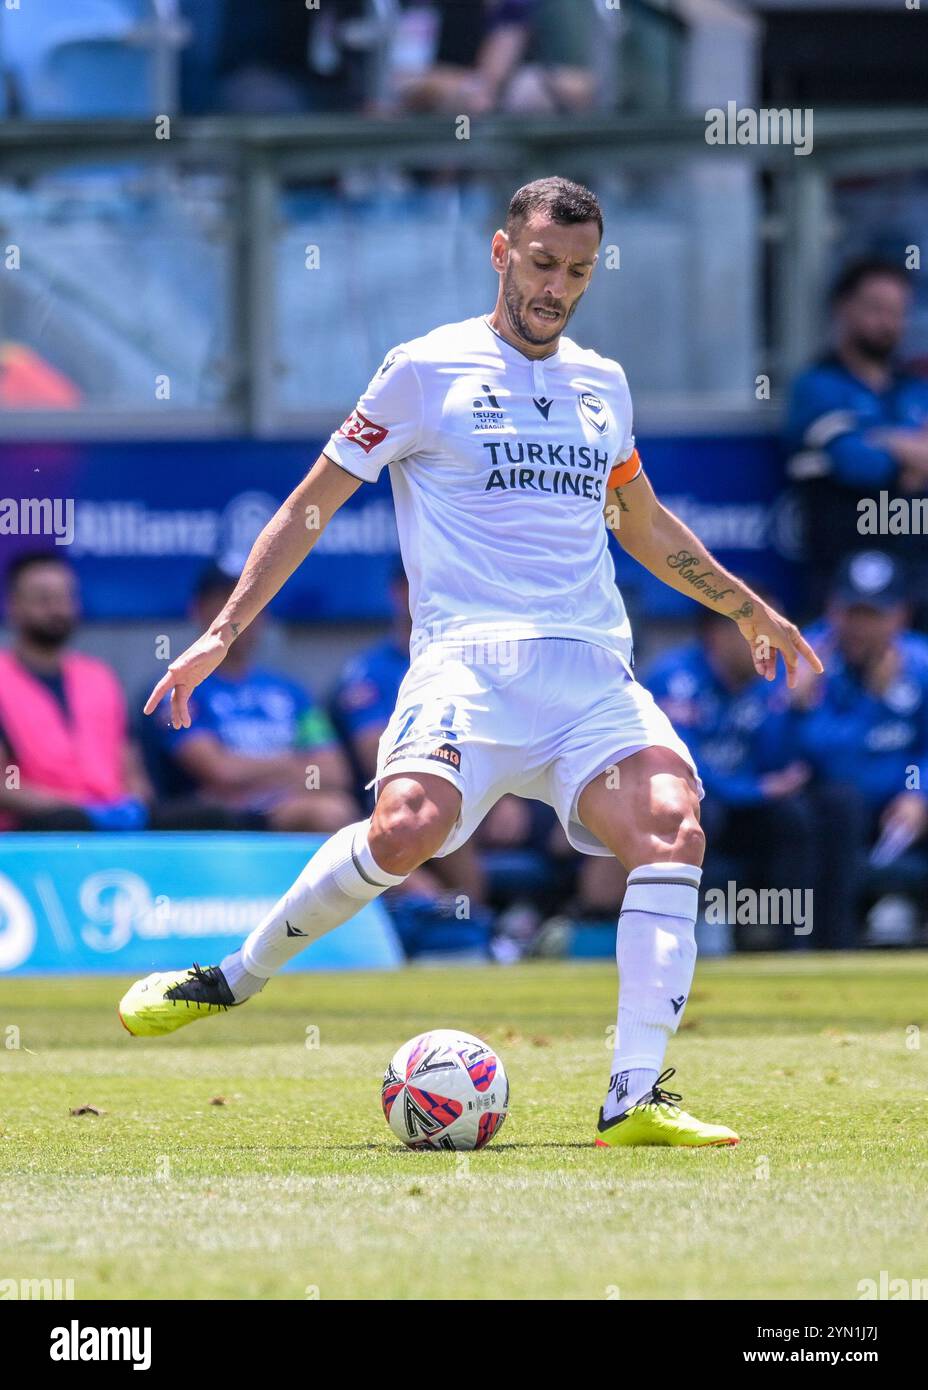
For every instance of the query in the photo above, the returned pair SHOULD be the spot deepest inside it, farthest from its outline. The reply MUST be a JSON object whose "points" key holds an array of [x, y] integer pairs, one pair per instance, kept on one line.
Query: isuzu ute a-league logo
{"points": [[593, 410], [488, 413], [363, 432]]}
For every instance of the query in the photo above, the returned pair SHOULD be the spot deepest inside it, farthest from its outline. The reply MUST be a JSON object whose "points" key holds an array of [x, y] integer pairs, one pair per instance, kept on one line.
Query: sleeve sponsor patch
{"points": [[439, 752], [363, 432]]}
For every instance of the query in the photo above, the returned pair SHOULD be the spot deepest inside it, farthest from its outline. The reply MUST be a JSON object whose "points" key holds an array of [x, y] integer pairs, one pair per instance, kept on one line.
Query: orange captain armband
{"points": [[625, 471]]}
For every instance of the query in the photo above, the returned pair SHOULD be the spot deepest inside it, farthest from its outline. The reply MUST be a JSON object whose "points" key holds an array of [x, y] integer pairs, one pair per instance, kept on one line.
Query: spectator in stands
{"points": [[67, 761], [258, 745], [759, 813], [498, 55], [858, 425], [279, 57], [558, 72], [864, 729]]}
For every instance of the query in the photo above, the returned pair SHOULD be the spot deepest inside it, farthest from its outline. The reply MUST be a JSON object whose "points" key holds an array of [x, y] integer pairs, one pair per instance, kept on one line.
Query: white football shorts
{"points": [[539, 717]]}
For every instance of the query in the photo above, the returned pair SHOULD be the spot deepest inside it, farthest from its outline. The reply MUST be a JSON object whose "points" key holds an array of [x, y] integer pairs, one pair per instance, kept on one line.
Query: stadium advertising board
{"points": [[137, 903], [140, 505]]}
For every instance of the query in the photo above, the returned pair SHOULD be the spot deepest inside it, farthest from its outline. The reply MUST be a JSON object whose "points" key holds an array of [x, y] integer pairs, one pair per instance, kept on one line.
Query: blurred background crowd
{"points": [[89, 58], [187, 310]]}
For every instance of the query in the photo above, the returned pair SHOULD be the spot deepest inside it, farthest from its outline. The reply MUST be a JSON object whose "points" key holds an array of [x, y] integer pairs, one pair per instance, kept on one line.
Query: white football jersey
{"points": [[498, 464]]}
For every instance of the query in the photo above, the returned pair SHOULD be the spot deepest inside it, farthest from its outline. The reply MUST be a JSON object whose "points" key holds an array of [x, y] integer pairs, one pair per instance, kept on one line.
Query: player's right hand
{"points": [[185, 674], [767, 633]]}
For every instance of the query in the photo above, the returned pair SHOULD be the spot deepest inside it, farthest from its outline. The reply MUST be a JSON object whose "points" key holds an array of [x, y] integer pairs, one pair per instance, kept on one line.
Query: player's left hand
{"points": [[768, 632]]}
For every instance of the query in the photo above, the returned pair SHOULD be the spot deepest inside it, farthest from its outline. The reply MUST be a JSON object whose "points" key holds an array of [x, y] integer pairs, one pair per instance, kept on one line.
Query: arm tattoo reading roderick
{"points": [[687, 565]]}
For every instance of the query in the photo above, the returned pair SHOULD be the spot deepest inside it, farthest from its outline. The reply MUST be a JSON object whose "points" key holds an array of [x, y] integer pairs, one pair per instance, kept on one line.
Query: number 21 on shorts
{"points": [[444, 729]]}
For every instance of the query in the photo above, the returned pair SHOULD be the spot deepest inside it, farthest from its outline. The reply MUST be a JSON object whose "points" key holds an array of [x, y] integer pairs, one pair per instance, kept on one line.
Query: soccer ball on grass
{"points": [[445, 1090]]}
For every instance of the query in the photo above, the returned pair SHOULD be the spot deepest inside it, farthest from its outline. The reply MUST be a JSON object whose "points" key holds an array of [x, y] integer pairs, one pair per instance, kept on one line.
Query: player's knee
{"points": [[676, 831], [690, 844], [407, 828]]}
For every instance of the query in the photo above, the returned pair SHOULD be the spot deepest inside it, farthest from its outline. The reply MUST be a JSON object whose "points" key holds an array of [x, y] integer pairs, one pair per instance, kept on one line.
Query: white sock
{"points": [[626, 1088], [242, 985], [339, 879], [656, 955]]}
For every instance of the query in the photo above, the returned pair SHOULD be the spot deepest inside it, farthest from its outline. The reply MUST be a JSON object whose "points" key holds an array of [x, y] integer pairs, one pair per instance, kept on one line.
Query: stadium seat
{"points": [[98, 77], [97, 58]]}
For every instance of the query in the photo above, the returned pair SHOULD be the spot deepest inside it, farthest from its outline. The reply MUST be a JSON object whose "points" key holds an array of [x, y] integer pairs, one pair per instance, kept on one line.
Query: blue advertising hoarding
{"points": [[148, 516], [131, 904]]}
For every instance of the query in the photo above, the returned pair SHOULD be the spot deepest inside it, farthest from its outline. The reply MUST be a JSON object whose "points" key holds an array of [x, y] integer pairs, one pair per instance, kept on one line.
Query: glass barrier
{"points": [[249, 277], [116, 292], [386, 256]]}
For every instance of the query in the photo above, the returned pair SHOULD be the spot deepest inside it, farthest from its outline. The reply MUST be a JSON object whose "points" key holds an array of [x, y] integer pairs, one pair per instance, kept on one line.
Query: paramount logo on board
{"points": [[762, 126], [118, 905]]}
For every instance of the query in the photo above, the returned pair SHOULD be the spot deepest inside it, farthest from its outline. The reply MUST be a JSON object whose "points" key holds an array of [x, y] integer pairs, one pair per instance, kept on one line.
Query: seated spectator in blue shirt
{"points": [[864, 728], [858, 425], [257, 742], [758, 812]]}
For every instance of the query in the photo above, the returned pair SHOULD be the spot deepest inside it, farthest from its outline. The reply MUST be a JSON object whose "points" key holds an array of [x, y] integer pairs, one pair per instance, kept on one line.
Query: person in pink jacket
{"points": [[66, 760]]}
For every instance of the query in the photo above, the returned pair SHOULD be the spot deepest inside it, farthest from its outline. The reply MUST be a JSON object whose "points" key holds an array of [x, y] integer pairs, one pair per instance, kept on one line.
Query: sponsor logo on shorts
{"points": [[440, 752], [362, 431]]}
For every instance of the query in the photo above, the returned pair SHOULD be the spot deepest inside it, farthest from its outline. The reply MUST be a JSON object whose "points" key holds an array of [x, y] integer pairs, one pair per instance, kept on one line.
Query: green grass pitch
{"points": [[294, 1188]]}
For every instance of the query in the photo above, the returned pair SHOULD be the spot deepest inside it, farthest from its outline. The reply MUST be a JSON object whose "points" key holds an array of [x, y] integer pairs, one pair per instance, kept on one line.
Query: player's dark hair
{"points": [[23, 563], [563, 201], [855, 273]]}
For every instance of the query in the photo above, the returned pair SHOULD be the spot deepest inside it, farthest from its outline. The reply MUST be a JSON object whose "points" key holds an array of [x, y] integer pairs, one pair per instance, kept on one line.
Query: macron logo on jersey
{"points": [[362, 431]]}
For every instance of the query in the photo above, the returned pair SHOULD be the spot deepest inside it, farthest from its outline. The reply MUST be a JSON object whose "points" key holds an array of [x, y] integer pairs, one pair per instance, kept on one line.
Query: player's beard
{"points": [[50, 634], [876, 350], [515, 305]]}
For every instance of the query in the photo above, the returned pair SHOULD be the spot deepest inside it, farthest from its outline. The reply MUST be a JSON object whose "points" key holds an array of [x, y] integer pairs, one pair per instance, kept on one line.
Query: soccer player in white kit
{"points": [[510, 450]]}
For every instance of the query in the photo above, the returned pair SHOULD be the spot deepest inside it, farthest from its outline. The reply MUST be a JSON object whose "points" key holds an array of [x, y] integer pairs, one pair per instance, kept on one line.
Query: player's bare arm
{"points": [[281, 547], [658, 540]]}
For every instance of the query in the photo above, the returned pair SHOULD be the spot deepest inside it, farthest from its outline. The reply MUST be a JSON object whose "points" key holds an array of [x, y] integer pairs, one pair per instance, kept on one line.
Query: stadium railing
{"points": [[226, 276]]}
